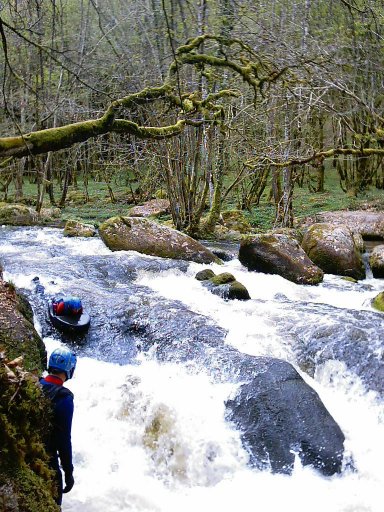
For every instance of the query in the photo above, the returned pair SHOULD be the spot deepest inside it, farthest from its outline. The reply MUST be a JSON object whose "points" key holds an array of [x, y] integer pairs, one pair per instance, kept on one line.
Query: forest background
{"points": [[274, 108]]}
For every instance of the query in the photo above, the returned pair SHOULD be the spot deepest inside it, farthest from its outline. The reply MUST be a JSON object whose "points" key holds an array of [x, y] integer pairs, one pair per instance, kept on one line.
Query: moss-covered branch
{"points": [[316, 157]]}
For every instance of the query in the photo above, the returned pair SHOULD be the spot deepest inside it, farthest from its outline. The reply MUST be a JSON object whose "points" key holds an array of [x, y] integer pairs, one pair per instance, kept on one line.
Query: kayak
{"points": [[67, 323]]}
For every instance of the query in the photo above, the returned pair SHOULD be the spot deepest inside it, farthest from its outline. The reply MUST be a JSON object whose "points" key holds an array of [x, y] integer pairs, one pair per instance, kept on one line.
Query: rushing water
{"points": [[152, 437]]}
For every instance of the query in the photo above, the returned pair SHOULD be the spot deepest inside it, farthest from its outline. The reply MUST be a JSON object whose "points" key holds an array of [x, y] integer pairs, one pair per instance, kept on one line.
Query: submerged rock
{"points": [[277, 413], [279, 254], [334, 250], [146, 237]]}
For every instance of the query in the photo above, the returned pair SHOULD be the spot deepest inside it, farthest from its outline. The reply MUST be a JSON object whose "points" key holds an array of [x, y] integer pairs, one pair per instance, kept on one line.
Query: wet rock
{"points": [[378, 302], [376, 261], [74, 228], [224, 285], [279, 254], [334, 250], [144, 236], [280, 415], [205, 274]]}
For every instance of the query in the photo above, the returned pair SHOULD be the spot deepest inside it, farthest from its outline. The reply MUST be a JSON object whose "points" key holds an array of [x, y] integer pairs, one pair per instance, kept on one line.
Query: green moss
{"points": [[223, 278], [26, 481], [378, 302]]}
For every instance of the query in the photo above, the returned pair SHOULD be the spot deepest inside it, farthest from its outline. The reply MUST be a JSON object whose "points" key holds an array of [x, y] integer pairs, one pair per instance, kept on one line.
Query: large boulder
{"points": [[144, 236], [279, 254], [369, 224], [334, 249], [17, 215], [280, 416], [152, 208], [376, 261]]}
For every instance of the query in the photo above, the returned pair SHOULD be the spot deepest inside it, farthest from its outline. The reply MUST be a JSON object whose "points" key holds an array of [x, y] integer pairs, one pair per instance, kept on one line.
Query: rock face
{"points": [[152, 208], [74, 228], [17, 215], [224, 285], [376, 261], [279, 254], [146, 237], [25, 479], [280, 415], [334, 250], [370, 225]]}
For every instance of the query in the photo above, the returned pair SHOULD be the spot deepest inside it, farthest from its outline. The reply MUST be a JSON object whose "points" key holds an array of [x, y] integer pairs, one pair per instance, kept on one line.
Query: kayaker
{"points": [[70, 306]]}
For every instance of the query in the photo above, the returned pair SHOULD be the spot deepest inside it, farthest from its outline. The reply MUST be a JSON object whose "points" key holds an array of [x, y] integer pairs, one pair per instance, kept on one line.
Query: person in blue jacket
{"points": [[61, 366]]}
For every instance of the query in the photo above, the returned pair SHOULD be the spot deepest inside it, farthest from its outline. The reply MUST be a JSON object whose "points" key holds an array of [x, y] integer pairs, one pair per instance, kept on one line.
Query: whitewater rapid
{"points": [[150, 437]]}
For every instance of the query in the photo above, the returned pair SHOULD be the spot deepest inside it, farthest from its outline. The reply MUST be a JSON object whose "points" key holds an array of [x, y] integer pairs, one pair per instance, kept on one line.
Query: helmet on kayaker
{"points": [[63, 360], [70, 306]]}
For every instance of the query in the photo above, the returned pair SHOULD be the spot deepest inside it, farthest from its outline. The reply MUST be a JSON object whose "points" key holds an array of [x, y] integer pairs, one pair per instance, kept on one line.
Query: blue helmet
{"points": [[64, 360]]}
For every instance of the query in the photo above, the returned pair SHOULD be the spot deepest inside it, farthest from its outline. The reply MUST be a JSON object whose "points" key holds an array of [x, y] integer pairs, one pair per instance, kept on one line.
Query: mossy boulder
{"points": [[378, 302], [148, 237], [279, 254], [153, 208], [17, 333], [74, 228], [235, 220], [224, 285], [376, 261], [76, 197], [205, 274], [17, 215], [334, 249]]}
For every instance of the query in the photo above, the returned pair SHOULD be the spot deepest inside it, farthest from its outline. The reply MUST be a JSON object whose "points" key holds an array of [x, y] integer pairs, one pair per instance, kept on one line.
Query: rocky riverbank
{"points": [[25, 479]]}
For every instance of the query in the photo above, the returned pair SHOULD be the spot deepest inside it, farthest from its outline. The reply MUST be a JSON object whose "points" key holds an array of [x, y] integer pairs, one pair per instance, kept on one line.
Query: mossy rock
{"points": [[17, 215], [334, 250], [205, 274], [76, 197], [236, 221], [279, 254], [378, 302], [223, 278], [148, 237], [74, 228]]}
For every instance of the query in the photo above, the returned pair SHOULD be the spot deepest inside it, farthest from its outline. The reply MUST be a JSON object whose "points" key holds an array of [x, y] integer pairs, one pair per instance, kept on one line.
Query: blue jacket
{"points": [[59, 444]]}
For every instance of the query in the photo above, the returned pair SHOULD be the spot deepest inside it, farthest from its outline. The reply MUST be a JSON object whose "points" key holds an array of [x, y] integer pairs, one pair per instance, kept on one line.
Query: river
{"points": [[150, 436]]}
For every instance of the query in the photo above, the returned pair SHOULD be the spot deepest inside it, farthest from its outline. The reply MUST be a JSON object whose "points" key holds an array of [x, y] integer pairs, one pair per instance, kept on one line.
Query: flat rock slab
{"points": [[369, 224]]}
